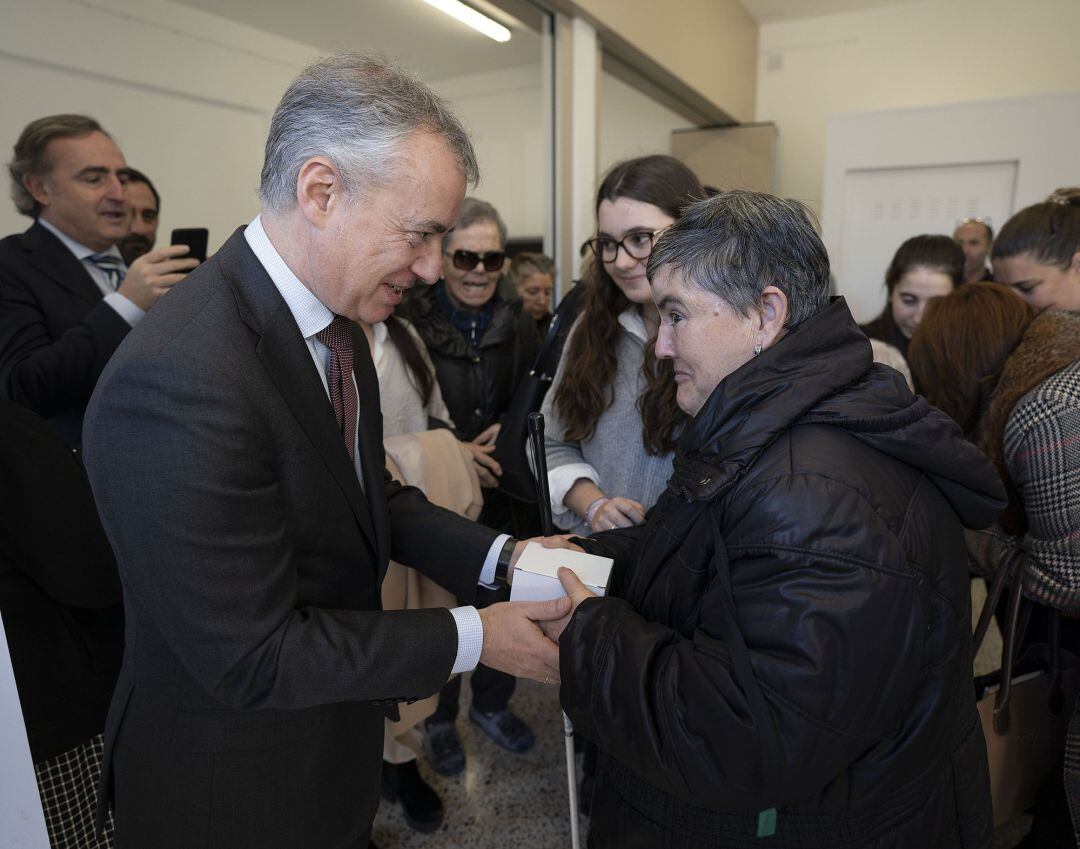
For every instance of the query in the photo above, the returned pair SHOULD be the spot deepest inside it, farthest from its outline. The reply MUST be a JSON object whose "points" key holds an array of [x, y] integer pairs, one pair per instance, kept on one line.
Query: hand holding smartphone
{"points": [[195, 238]]}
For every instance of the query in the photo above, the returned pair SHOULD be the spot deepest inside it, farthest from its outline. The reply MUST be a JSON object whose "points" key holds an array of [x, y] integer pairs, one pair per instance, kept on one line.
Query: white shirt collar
{"points": [[310, 313], [81, 251]]}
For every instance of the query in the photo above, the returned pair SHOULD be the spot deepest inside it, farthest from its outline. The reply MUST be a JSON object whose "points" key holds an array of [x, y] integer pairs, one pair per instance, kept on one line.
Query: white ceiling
{"points": [[419, 36], [766, 11]]}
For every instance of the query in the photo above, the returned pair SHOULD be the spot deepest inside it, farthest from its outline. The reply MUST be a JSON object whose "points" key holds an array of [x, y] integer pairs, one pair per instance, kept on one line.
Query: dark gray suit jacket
{"points": [[249, 709], [56, 333]]}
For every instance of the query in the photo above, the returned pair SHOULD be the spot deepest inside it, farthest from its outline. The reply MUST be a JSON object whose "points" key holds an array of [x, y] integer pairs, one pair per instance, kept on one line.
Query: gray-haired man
{"points": [[249, 508]]}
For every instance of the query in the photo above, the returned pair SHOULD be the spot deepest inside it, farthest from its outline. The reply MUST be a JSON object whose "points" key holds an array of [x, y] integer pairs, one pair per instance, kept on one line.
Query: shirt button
{"points": [[478, 412], [476, 360]]}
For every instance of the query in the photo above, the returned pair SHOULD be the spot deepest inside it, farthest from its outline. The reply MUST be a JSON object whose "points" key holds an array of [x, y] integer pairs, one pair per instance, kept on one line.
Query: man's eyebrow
{"points": [[669, 300], [93, 169], [431, 226]]}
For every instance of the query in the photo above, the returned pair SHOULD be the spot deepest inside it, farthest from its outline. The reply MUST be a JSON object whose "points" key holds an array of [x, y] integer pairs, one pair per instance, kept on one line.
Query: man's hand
{"points": [[577, 592], [514, 643], [487, 467], [617, 513], [153, 274], [557, 541]]}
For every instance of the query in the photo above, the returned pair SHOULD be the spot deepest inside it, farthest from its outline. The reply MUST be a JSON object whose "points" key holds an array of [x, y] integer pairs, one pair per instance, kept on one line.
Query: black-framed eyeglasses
{"points": [[638, 245], [468, 260]]}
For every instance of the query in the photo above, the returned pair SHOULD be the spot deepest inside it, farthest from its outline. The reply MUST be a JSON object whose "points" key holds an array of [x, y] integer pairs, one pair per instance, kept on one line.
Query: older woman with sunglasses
{"points": [[480, 344], [611, 413]]}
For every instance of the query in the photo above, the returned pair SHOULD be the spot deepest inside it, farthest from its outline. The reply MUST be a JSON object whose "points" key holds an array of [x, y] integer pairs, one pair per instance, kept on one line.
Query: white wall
{"points": [[632, 123], [503, 111], [188, 96], [1035, 136], [913, 54]]}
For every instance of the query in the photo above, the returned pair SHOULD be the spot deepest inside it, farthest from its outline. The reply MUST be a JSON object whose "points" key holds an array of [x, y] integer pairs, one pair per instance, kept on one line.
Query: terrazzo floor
{"points": [[504, 800], [501, 800]]}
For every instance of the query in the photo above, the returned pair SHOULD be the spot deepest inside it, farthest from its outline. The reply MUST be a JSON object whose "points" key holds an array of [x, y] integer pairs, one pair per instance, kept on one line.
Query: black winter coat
{"points": [[478, 382], [792, 626]]}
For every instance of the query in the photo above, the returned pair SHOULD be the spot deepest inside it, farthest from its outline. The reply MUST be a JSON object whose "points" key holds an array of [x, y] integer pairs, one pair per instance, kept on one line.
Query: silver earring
{"points": [[757, 349]]}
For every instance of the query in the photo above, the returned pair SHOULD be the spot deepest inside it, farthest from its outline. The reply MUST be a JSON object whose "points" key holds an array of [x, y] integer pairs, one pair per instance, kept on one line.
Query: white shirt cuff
{"points": [[562, 479], [125, 308], [470, 641], [487, 574]]}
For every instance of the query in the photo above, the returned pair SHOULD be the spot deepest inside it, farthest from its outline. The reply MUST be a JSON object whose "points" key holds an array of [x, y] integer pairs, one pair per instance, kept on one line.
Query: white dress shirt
{"points": [[126, 308], [312, 316]]}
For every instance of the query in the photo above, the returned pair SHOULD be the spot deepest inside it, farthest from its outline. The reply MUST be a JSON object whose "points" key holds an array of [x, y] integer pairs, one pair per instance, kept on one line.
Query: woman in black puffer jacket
{"points": [[787, 652]]}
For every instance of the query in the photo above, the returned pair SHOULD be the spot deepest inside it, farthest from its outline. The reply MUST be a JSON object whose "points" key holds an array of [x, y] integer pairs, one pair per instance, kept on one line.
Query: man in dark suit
{"points": [[67, 298], [234, 445]]}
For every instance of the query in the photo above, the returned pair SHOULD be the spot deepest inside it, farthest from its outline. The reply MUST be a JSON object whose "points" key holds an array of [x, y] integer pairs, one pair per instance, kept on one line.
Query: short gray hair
{"points": [[738, 242], [355, 109], [30, 153], [474, 211], [526, 264]]}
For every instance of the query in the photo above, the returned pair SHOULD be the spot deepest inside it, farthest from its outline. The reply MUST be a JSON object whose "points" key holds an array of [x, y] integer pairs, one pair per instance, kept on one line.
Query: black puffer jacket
{"points": [[792, 627], [478, 382]]}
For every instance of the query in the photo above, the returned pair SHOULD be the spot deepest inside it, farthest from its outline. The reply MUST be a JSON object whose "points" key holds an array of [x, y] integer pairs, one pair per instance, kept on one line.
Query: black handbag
{"points": [[517, 478]]}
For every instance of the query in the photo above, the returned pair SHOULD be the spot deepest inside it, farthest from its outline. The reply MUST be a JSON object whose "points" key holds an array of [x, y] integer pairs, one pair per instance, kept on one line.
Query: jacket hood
{"points": [[822, 372]]}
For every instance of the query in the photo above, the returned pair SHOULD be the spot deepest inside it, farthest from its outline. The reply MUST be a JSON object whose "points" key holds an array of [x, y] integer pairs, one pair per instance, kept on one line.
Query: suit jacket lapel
{"points": [[288, 362], [51, 257], [370, 437]]}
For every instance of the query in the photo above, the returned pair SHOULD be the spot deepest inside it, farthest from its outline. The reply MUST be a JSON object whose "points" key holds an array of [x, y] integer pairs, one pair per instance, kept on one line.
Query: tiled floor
{"points": [[501, 799], [521, 800]]}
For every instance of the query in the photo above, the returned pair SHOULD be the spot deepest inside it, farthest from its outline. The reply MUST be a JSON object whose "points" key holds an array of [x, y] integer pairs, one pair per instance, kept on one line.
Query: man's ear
{"points": [[772, 316], [35, 184], [318, 190]]}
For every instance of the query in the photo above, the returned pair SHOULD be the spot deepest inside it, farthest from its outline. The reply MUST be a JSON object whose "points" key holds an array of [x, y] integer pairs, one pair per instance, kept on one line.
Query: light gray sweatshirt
{"points": [[614, 458]]}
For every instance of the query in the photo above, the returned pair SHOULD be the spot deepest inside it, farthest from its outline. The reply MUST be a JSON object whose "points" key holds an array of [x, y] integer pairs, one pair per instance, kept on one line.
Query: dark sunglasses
{"points": [[468, 260]]}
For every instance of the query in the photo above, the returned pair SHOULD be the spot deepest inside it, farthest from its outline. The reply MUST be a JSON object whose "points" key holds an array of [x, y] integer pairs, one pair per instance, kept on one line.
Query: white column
{"points": [[577, 89]]}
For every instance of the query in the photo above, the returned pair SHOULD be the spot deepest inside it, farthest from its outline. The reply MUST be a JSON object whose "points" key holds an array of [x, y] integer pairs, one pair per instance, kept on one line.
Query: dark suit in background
{"points": [[56, 332], [248, 708]]}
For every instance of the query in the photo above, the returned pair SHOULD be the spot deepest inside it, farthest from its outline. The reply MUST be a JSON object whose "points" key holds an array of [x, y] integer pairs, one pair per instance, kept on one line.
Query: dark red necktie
{"points": [[338, 338]]}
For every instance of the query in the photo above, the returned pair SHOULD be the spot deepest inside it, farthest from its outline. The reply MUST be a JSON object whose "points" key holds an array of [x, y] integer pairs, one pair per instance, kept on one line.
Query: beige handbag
{"points": [[1025, 706]]}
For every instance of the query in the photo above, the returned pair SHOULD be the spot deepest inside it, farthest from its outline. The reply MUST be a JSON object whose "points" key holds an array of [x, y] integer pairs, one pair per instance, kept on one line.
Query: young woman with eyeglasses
{"points": [[612, 420]]}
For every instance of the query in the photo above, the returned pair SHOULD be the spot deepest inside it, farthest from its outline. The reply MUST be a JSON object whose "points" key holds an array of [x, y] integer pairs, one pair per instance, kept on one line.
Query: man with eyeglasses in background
{"points": [[976, 237], [481, 346]]}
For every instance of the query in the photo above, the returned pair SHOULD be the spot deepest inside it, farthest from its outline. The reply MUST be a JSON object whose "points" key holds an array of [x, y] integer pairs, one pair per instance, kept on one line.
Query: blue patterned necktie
{"points": [[112, 265]]}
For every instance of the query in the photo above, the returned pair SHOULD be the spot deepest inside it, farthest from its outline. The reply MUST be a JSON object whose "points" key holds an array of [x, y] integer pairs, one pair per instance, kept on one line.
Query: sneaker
{"points": [[504, 728], [419, 802], [443, 747]]}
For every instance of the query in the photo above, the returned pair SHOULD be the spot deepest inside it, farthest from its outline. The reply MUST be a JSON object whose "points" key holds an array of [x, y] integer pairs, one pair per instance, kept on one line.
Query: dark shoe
{"points": [[443, 747], [421, 805], [504, 728]]}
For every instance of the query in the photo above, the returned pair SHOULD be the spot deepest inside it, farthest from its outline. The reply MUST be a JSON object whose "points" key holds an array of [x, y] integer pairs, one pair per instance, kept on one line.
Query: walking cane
{"points": [[543, 500]]}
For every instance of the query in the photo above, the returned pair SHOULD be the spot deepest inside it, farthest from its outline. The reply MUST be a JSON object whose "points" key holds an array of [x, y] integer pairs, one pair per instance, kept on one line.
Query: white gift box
{"points": [[536, 574]]}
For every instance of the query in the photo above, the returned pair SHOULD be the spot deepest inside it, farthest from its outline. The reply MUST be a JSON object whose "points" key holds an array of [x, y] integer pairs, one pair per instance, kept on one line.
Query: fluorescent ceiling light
{"points": [[471, 17]]}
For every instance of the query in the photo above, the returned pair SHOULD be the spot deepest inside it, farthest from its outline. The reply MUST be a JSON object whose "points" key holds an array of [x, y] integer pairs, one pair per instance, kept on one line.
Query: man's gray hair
{"points": [[30, 156], [738, 242], [475, 211], [355, 109]]}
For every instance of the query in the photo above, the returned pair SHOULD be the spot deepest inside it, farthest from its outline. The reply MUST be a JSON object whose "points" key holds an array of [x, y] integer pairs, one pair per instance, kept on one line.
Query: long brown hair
{"points": [[586, 391], [961, 345], [419, 371]]}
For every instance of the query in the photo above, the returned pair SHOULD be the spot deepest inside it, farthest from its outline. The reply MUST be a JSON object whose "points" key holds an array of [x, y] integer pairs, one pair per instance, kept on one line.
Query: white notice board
{"points": [[22, 824]]}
